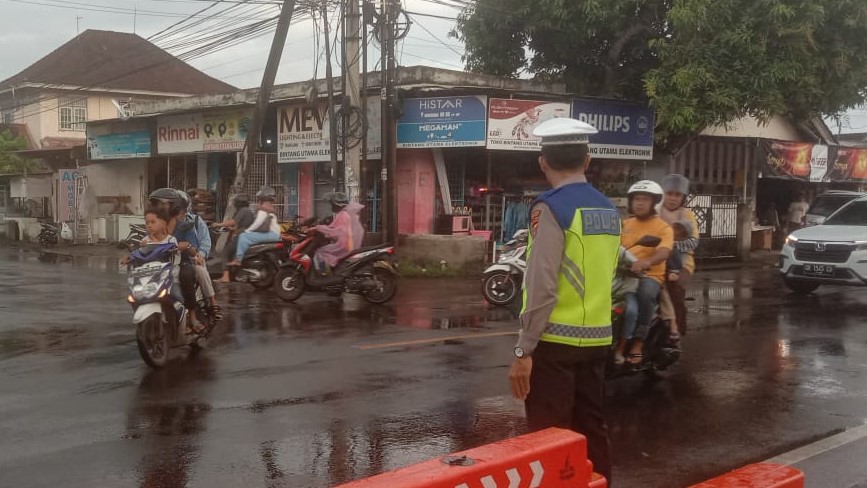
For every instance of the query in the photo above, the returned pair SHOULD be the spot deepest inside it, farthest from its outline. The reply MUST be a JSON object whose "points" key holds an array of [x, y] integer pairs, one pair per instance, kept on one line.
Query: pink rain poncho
{"points": [[347, 233]]}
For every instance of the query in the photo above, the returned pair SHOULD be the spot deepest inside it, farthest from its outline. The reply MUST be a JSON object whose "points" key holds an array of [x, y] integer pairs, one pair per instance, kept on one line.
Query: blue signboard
{"points": [[125, 145], [625, 129], [443, 122]]}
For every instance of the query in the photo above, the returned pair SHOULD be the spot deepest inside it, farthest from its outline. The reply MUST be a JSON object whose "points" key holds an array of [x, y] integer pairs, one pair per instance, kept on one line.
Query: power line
{"points": [[438, 39]]}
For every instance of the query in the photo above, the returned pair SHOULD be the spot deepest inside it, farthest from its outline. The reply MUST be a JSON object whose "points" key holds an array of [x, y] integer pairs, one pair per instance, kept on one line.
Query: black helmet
{"points": [[241, 200], [169, 196], [266, 193], [338, 199]]}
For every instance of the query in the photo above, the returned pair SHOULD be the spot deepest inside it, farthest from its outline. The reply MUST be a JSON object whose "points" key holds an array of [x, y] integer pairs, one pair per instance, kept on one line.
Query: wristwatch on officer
{"points": [[520, 353]]}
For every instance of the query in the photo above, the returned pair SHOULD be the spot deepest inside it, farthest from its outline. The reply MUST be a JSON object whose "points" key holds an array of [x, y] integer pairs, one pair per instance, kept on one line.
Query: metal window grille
{"points": [[717, 217], [265, 172]]}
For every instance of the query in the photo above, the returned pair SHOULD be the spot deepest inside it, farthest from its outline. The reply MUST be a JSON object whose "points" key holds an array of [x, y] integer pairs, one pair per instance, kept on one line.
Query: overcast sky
{"points": [[33, 28]]}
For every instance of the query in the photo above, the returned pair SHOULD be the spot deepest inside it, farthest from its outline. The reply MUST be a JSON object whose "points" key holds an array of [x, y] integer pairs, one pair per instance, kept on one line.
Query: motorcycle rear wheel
{"points": [[153, 341], [290, 284], [263, 284], [386, 287], [492, 281]]}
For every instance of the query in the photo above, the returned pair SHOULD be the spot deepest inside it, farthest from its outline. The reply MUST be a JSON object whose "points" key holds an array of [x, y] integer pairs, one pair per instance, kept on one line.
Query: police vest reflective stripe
{"points": [[591, 226]]}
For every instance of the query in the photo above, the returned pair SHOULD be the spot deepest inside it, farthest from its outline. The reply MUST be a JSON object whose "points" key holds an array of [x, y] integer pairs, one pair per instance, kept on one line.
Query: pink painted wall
{"points": [[305, 190], [416, 184]]}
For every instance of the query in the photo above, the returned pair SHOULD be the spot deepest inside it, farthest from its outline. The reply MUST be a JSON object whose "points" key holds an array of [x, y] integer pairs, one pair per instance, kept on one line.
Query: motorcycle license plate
{"points": [[819, 270]]}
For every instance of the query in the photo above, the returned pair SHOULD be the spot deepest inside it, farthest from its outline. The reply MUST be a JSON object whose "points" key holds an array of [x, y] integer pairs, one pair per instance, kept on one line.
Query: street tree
{"points": [[698, 62], [11, 163]]}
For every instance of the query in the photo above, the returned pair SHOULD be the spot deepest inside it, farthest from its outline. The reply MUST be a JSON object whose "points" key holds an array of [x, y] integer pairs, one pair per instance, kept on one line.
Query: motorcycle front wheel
{"points": [[290, 284], [386, 287], [153, 342], [500, 288]]}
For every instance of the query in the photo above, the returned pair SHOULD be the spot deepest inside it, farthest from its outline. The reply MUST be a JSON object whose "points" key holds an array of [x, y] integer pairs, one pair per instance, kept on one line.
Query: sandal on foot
{"points": [[619, 359], [196, 327], [216, 312], [674, 337], [635, 359]]}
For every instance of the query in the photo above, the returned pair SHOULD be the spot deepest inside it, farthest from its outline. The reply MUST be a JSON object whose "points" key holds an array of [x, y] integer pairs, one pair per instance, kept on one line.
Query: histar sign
{"points": [[191, 133]]}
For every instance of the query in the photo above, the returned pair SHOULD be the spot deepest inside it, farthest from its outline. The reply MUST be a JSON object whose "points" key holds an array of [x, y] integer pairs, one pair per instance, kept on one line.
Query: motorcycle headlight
{"points": [[145, 292]]}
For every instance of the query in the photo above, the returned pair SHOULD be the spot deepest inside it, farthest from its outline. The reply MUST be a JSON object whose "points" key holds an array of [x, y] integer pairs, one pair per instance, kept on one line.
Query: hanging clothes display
{"points": [[515, 217]]}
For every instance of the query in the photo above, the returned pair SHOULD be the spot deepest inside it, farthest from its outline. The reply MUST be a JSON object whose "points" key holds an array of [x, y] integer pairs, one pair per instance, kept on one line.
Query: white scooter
{"points": [[502, 281]]}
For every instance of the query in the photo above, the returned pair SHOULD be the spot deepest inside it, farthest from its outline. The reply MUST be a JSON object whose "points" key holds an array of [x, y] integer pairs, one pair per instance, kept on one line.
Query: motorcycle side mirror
{"points": [[649, 241]]}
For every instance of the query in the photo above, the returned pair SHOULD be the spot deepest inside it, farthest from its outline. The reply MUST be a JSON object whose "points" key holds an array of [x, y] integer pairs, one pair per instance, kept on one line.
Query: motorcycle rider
{"points": [[264, 228], [195, 240], [673, 210], [643, 197], [345, 231], [171, 202], [243, 218]]}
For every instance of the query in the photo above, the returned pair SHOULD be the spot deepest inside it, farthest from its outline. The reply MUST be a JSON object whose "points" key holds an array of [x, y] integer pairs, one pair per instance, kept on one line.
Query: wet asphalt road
{"points": [[326, 391]]}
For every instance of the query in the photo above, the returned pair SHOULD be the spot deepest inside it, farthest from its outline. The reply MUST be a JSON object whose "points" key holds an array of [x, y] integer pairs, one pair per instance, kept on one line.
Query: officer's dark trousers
{"points": [[567, 388]]}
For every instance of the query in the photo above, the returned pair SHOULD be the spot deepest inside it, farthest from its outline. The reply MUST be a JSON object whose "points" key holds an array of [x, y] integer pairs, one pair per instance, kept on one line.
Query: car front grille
{"points": [[832, 253]]}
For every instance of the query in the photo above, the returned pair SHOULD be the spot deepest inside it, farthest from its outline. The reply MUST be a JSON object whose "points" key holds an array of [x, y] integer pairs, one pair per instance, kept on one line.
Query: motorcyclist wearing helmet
{"points": [[195, 241], [643, 197], [264, 228], [345, 231], [169, 201], [673, 210], [243, 218]]}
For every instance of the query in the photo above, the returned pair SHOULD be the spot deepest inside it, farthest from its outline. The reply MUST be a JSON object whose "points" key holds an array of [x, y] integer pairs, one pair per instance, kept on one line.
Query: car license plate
{"points": [[822, 270]]}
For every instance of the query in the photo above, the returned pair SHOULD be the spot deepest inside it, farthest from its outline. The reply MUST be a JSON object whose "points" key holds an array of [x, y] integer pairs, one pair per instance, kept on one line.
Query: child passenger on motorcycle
{"points": [[157, 226]]}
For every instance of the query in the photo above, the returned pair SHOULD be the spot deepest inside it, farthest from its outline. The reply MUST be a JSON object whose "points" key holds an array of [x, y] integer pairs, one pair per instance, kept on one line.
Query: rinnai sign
{"points": [[625, 129], [191, 133], [303, 133]]}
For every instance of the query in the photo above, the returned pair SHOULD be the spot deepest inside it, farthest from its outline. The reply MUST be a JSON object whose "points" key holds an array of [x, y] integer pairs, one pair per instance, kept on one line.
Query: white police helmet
{"points": [[564, 131]]}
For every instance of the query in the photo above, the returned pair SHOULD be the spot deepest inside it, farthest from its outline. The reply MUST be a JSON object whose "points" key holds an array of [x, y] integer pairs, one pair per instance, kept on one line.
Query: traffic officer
{"points": [[559, 368]]}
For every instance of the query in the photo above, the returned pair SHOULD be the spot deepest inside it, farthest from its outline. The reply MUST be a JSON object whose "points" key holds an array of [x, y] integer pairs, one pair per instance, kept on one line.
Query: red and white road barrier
{"points": [[762, 475], [552, 458]]}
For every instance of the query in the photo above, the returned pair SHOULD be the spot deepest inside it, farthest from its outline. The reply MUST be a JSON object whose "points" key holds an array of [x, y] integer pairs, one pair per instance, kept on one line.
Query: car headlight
{"points": [[860, 245], [791, 240]]}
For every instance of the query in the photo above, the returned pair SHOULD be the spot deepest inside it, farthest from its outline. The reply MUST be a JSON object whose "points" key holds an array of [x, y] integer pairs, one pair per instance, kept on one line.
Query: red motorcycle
{"points": [[369, 272]]}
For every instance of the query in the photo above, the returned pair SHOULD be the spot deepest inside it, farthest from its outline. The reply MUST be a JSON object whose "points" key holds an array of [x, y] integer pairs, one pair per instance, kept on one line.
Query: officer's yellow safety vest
{"points": [[591, 224]]}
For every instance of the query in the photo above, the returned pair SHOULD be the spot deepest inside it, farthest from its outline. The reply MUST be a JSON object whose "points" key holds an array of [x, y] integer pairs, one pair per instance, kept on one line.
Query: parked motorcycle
{"points": [[502, 281], [659, 352], [137, 232], [161, 320], [369, 272], [49, 235], [259, 265]]}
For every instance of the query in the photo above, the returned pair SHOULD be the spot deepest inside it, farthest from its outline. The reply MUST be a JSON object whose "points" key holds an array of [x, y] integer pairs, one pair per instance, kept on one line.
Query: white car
{"points": [[828, 203], [832, 253]]}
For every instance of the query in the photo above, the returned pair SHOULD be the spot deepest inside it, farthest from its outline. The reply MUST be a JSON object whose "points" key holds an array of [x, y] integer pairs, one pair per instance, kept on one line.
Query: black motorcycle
{"points": [[48, 236], [659, 352], [137, 232]]}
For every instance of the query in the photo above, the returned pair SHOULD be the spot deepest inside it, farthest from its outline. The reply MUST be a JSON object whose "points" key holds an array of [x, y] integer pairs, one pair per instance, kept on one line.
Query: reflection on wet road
{"points": [[328, 390]]}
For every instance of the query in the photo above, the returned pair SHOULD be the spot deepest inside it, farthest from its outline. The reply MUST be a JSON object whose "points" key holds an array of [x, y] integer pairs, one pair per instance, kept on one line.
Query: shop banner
{"points": [[191, 133], [303, 132], [799, 160], [511, 122], [119, 146], [625, 129], [849, 165], [443, 122], [66, 194]]}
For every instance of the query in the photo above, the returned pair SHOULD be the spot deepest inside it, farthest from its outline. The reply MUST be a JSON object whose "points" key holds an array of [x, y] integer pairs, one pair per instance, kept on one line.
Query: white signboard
{"points": [[511, 122], [218, 132], [303, 133], [818, 163]]}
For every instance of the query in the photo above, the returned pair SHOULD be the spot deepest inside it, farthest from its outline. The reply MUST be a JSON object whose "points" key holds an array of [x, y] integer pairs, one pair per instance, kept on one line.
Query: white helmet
{"points": [[647, 187]]}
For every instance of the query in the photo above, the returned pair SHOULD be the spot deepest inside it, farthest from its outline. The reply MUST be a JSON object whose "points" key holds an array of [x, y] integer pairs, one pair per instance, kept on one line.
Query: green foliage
{"points": [[12, 163], [699, 62]]}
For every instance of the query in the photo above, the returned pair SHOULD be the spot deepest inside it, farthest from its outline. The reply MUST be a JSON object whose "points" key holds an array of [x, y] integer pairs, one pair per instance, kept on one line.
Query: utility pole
{"points": [[332, 121], [255, 131], [353, 155], [389, 132]]}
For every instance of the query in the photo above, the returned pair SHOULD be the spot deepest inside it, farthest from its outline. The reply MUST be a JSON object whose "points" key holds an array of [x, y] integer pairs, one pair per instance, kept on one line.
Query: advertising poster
{"points": [[799, 160], [511, 122], [191, 133], [303, 133], [443, 122], [850, 164], [119, 145], [625, 129], [66, 194]]}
